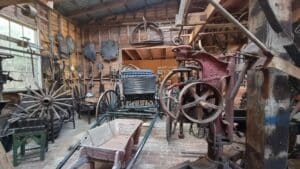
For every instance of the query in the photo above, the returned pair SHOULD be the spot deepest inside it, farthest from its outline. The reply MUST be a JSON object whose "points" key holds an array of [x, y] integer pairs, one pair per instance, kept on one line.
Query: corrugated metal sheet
{"points": [[66, 7]]}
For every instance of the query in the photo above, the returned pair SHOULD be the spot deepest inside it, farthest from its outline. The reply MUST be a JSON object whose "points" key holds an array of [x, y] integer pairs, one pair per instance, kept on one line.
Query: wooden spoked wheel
{"points": [[109, 101]]}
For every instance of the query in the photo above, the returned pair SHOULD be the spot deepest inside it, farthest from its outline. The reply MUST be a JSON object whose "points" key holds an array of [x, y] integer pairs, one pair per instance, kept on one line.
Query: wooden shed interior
{"points": [[220, 76]]}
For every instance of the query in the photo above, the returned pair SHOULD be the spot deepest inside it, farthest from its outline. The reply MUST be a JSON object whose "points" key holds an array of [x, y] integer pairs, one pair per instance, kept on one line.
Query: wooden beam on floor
{"points": [[210, 10]]}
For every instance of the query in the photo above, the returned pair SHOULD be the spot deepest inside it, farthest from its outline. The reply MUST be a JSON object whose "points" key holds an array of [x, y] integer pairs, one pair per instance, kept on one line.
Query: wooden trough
{"points": [[112, 141]]}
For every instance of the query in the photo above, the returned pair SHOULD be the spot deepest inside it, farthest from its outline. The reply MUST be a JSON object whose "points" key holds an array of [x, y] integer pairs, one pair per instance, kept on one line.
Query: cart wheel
{"points": [[174, 79], [109, 101], [205, 105]]}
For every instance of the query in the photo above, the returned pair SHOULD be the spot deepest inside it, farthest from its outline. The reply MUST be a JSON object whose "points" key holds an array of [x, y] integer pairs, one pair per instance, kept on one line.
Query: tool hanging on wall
{"points": [[109, 50], [62, 46], [89, 92], [151, 30], [100, 67], [90, 52]]}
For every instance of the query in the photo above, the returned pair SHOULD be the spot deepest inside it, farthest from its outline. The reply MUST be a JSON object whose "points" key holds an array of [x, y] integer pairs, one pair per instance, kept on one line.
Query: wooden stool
{"points": [[25, 130], [20, 140]]}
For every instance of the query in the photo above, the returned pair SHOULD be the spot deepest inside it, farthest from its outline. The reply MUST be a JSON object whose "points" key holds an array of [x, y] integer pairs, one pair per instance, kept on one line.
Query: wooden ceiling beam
{"points": [[210, 11], [140, 53], [131, 56], [105, 6], [183, 9]]}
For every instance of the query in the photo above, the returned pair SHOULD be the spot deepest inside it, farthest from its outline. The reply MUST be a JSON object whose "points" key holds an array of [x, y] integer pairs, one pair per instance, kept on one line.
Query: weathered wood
{"points": [[4, 161], [210, 10], [268, 96], [183, 9]]}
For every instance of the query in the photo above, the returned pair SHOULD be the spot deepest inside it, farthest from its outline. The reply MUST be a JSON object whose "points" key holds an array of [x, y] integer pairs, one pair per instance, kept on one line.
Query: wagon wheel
{"points": [[204, 99], [109, 101], [174, 79]]}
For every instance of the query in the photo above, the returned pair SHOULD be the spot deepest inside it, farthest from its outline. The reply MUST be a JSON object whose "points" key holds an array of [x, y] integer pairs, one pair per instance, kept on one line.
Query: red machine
{"points": [[201, 91]]}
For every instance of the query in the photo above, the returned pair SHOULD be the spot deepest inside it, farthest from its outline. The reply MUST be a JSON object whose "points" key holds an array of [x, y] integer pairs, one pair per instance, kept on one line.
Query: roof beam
{"points": [[129, 54], [98, 7], [210, 10], [183, 9]]}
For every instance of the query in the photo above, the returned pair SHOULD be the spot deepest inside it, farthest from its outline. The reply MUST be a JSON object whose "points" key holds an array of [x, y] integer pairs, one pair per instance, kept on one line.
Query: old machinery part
{"points": [[205, 99], [174, 79], [29, 11], [89, 51], [109, 101], [138, 82], [63, 47], [109, 50], [148, 27], [71, 44], [177, 41], [50, 103]]}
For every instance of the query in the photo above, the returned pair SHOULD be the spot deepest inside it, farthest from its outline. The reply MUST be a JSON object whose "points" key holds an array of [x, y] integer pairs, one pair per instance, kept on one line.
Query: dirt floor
{"points": [[157, 153]]}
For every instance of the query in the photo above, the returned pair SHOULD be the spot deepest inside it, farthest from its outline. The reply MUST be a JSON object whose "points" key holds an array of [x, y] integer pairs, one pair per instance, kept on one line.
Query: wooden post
{"points": [[268, 95]]}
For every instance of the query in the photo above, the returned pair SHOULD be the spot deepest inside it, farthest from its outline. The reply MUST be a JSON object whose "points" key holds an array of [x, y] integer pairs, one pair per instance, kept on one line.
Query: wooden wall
{"points": [[119, 28]]}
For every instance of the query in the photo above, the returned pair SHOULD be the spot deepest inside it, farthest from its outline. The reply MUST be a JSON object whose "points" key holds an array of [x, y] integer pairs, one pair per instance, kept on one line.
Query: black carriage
{"points": [[134, 94]]}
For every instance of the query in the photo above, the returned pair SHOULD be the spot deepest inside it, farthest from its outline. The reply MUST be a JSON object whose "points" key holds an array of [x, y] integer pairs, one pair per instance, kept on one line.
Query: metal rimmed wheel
{"points": [[200, 102], [109, 101], [174, 79]]}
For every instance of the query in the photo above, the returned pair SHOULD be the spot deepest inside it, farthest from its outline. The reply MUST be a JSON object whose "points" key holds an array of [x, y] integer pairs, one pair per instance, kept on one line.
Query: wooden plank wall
{"points": [[119, 28]]}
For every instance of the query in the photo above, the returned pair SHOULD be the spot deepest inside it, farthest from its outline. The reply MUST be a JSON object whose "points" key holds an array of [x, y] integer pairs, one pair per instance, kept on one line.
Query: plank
{"points": [[210, 10]]}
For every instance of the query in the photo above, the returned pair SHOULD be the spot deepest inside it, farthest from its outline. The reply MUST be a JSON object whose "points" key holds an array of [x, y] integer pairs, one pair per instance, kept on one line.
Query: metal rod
{"points": [[239, 80], [229, 17], [143, 142], [77, 145]]}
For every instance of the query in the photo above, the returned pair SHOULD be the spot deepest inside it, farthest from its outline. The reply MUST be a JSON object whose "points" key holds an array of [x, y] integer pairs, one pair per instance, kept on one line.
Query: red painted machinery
{"points": [[201, 90]]}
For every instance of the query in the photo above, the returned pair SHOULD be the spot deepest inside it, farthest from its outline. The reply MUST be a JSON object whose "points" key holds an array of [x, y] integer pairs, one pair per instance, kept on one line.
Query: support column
{"points": [[268, 95]]}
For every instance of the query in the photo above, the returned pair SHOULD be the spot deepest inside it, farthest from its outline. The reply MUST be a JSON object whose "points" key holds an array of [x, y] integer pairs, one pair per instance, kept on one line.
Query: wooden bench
{"points": [[112, 141]]}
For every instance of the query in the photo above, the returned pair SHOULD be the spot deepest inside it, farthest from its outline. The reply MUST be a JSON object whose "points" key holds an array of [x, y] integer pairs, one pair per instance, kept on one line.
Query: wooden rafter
{"points": [[210, 10]]}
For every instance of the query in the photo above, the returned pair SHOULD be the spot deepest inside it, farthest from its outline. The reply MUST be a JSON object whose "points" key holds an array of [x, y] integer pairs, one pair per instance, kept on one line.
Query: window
{"points": [[20, 67]]}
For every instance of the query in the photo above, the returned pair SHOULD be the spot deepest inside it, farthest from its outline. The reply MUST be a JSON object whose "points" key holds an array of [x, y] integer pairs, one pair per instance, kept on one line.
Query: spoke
{"points": [[40, 89], [61, 109], [55, 112], [56, 91], [21, 108], [33, 101], [63, 104], [206, 94], [208, 105], [32, 106], [42, 112], [47, 90], [64, 99], [189, 105], [63, 93], [194, 93], [29, 96], [36, 93], [52, 88], [35, 111]]}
